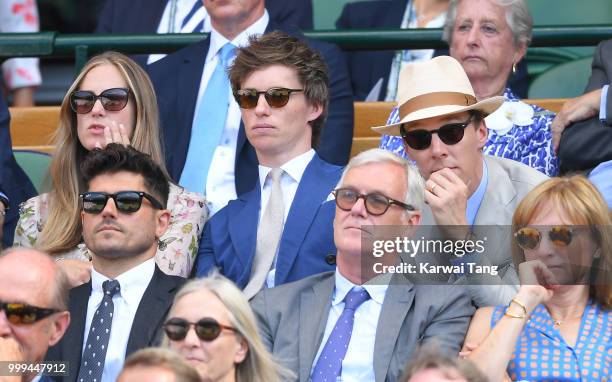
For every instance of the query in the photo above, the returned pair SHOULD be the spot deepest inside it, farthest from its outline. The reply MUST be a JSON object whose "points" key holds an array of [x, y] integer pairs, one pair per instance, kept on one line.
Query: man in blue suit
{"points": [[181, 80], [282, 230], [15, 186]]}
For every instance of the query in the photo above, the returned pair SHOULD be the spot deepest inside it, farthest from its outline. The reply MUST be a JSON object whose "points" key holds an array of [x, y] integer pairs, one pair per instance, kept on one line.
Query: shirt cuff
{"points": [[602, 104], [4, 200]]}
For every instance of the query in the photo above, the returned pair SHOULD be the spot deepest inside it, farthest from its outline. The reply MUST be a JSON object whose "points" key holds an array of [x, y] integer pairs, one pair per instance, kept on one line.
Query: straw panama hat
{"points": [[434, 88]]}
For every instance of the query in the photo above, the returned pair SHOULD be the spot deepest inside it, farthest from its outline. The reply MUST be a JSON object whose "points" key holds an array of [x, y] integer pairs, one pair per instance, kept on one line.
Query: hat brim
{"points": [[486, 107]]}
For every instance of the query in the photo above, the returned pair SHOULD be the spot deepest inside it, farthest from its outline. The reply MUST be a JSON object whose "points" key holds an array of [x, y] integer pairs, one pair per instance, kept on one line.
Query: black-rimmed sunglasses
{"points": [[275, 97], [125, 201], [207, 329], [115, 99], [420, 139], [375, 204], [18, 313], [529, 238]]}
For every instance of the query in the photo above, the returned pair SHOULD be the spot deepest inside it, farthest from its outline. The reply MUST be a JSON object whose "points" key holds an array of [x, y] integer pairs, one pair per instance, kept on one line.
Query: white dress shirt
{"points": [[358, 363], [290, 180], [220, 186], [133, 284]]}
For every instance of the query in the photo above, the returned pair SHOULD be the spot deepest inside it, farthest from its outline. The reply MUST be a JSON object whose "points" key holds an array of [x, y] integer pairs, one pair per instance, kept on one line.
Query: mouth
{"points": [[262, 127], [108, 228], [472, 58], [96, 129]]}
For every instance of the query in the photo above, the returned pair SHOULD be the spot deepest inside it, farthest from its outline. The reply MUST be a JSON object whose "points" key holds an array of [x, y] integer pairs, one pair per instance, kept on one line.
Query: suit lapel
{"points": [[314, 310], [314, 188], [499, 193], [73, 338], [397, 303], [151, 311], [243, 227]]}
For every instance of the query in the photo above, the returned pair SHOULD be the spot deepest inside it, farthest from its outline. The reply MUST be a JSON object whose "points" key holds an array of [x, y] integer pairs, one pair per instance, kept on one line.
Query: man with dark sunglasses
{"points": [[281, 231], [123, 306], [351, 324], [207, 149], [33, 308], [443, 129]]}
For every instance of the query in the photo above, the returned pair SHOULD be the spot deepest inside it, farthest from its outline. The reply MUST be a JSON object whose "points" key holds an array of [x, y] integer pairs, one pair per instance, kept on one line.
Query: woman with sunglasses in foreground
{"points": [[212, 325], [558, 326], [111, 101]]}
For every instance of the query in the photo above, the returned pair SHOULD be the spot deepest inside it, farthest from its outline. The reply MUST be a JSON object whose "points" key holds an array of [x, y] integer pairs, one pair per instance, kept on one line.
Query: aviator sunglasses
{"points": [[275, 97], [115, 99], [207, 329], [375, 204], [528, 238], [125, 201], [19, 314], [420, 139]]}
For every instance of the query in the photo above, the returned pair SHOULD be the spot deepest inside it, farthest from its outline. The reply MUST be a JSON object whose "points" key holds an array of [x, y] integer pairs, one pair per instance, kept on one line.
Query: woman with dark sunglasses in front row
{"points": [[111, 101], [212, 325], [558, 326]]}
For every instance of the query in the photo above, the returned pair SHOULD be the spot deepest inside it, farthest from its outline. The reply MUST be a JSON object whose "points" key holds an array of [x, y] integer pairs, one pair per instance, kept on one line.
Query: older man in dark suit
{"points": [[122, 308], [353, 323]]}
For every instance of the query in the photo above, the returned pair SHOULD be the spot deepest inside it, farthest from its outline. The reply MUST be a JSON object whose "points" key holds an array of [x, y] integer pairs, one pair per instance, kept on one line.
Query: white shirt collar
{"points": [[217, 40], [133, 283], [294, 168], [343, 286]]}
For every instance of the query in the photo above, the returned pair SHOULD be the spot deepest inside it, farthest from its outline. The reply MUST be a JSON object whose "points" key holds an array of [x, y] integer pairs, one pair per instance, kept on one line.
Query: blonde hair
{"points": [[578, 199], [62, 230], [258, 365], [165, 359]]}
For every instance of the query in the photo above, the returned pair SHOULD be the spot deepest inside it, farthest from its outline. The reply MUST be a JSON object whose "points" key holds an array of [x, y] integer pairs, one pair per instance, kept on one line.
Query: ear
{"points": [[482, 133], [520, 53], [162, 220], [314, 111], [412, 218], [59, 326], [242, 350]]}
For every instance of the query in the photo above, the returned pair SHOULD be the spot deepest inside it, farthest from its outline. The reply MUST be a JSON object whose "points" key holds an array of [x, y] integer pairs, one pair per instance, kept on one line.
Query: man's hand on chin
{"points": [[447, 195]]}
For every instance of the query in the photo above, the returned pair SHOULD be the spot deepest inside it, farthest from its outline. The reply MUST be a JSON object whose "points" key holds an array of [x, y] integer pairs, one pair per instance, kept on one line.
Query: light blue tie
{"points": [[209, 124]]}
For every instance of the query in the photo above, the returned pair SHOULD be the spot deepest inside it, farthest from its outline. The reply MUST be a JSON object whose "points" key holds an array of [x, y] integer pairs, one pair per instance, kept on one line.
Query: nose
{"points": [[5, 327], [191, 339], [110, 209], [98, 109], [546, 247], [262, 107], [359, 209], [438, 148], [473, 37]]}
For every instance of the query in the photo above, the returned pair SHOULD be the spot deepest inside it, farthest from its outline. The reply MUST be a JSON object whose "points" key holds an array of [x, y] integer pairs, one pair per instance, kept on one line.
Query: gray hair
{"points": [[415, 185], [258, 365], [517, 16]]}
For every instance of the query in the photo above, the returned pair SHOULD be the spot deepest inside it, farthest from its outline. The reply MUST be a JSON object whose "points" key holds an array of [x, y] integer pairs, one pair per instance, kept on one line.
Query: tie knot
{"points": [[355, 297], [275, 174], [111, 287], [227, 52]]}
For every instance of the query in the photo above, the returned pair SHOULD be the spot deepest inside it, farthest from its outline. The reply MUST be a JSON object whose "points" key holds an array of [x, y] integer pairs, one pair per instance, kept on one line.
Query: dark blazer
{"points": [[292, 320], [176, 79], [14, 182], [143, 16], [586, 144], [146, 328], [367, 67], [229, 238]]}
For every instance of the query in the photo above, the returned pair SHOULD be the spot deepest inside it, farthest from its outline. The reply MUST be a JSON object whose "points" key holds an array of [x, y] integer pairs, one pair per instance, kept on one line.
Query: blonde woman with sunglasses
{"points": [[212, 325], [111, 101], [558, 326]]}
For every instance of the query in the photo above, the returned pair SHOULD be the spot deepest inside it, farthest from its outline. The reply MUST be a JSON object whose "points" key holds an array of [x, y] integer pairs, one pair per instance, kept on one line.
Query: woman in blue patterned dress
{"points": [[489, 48], [558, 326]]}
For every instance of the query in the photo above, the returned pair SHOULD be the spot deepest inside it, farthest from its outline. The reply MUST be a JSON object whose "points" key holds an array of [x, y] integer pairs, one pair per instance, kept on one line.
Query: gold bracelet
{"points": [[517, 302], [513, 315]]}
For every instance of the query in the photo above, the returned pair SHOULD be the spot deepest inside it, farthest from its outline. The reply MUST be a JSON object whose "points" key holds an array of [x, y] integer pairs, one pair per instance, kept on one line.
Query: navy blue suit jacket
{"points": [[230, 236], [14, 183], [143, 16], [177, 78], [367, 67]]}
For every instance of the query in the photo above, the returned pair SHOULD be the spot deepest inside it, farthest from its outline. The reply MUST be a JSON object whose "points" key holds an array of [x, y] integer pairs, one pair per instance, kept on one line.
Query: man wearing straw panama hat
{"points": [[443, 129]]}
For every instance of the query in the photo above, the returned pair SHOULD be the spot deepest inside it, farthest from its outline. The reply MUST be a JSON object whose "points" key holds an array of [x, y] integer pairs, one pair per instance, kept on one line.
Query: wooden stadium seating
{"points": [[32, 127]]}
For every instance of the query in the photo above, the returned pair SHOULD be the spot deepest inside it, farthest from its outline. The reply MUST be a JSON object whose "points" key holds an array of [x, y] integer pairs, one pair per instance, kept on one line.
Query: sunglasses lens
{"points": [[417, 139], [346, 198], [452, 134], [246, 98], [82, 101], [207, 329], [94, 202], [277, 97], [18, 314], [114, 99], [528, 238], [560, 236], [128, 201], [176, 329], [376, 204]]}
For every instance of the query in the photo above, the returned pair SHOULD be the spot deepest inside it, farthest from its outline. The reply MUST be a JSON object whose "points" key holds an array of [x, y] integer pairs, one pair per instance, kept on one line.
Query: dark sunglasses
{"points": [[450, 134], [275, 97], [528, 238], [207, 329], [22, 314], [375, 204], [115, 99], [125, 201]]}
